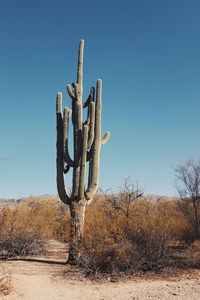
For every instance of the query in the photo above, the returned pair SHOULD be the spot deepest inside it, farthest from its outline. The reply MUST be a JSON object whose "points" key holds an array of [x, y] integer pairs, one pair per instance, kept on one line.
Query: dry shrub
{"points": [[193, 254], [61, 223], [5, 282], [150, 232], [26, 227], [18, 237], [98, 244], [186, 210], [117, 238], [181, 229], [141, 240], [114, 242], [21, 244], [188, 187]]}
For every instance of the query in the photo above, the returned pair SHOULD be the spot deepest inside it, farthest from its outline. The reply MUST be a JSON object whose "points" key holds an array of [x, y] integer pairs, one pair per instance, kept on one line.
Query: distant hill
{"points": [[42, 197], [7, 201], [158, 198], [12, 201], [151, 197]]}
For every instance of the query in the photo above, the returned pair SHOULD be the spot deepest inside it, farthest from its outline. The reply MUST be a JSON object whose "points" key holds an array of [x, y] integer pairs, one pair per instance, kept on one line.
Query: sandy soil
{"points": [[40, 279]]}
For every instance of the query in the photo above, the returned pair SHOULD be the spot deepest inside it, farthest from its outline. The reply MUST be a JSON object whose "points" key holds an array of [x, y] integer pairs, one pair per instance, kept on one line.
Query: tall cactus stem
{"points": [[67, 158], [86, 145], [83, 163], [91, 124], [80, 70], [77, 147]]}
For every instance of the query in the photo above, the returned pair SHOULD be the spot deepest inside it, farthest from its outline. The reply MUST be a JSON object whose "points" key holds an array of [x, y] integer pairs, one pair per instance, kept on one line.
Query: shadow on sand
{"points": [[44, 261]]}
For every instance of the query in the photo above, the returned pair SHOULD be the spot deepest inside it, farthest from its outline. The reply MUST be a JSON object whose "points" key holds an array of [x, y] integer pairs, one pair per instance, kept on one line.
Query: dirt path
{"points": [[39, 279]]}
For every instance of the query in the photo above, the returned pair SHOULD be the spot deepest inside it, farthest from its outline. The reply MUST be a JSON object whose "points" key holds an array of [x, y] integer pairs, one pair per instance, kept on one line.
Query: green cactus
{"points": [[87, 143]]}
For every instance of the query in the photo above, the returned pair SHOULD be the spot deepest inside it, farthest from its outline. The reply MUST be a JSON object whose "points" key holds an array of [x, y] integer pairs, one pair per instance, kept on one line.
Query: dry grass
{"points": [[142, 240], [114, 242], [5, 282], [26, 228]]}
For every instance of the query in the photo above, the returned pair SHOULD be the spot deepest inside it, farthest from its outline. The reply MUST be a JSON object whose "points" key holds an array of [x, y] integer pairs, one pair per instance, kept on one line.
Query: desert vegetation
{"points": [[5, 284], [124, 233], [188, 186], [117, 232]]}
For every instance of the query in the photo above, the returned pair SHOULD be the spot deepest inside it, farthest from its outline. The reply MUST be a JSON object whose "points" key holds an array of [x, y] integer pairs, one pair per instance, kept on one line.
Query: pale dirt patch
{"points": [[41, 278]]}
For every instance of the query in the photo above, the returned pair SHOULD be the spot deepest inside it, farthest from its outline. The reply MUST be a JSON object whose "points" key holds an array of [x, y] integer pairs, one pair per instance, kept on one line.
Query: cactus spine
{"points": [[87, 144]]}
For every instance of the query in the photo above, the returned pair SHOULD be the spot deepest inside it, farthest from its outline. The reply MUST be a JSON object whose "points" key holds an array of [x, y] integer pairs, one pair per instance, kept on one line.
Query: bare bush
{"points": [[21, 244], [188, 186], [26, 227], [126, 197], [115, 243], [193, 252], [5, 281]]}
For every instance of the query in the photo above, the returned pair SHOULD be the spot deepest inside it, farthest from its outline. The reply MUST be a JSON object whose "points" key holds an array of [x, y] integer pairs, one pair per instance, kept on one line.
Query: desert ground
{"points": [[43, 278]]}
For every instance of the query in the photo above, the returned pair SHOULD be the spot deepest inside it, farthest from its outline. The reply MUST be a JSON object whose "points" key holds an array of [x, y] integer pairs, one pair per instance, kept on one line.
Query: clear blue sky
{"points": [[147, 53]]}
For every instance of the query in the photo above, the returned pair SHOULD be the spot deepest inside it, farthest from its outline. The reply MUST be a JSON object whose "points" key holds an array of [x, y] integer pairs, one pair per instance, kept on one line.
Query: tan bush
{"points": [[193, 253], [115, 242], [5, 282], [26, 227]]}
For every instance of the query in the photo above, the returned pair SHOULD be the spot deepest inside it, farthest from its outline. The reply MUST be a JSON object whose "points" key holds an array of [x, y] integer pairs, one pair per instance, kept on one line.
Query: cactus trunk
{"points": [[77, 215], [87, 144]]}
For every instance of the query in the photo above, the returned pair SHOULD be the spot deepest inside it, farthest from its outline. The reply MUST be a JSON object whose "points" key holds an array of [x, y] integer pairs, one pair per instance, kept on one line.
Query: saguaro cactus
{"points": [[87, 143]]}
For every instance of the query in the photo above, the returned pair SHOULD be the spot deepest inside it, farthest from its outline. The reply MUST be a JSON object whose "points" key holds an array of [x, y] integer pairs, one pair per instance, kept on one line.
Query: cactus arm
{"points": [[80, 129], [74, 113], [90, 197], [77, 147], [105, 138], [87, 121], [59, 103], [77, 93], [70, 91], [83, 163], [94, 164], [77, 123], [91, 123], [89, 155], [66, 169], [59, 161], [87, 103], [76, 133], [90, 97], [67, 158]]}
